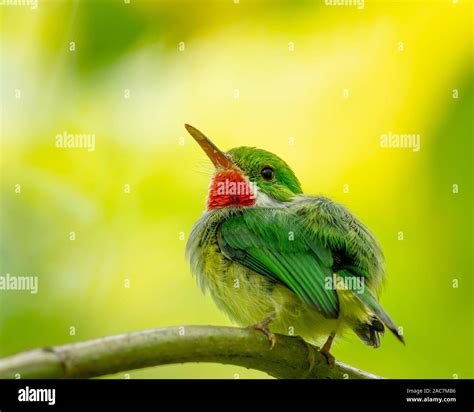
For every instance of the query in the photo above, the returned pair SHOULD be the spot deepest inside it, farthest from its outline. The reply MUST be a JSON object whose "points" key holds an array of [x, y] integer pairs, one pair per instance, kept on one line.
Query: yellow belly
{"points": [[247, 298]]}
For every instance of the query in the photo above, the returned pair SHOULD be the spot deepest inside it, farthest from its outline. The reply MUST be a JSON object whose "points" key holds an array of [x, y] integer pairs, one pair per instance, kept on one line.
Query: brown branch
{"points": [[291, 358]]}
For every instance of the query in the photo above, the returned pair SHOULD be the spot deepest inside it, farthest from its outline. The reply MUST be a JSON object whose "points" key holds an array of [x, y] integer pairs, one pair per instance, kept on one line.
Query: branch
{"points": [[291, 357]]}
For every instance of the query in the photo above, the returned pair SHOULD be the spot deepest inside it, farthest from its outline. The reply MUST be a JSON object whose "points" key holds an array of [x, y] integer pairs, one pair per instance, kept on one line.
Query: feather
{"points": [[273, 244]]}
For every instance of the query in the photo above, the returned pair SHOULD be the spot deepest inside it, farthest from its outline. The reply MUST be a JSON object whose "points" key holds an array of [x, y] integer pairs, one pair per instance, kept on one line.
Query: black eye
{"points": [[267, 173]]}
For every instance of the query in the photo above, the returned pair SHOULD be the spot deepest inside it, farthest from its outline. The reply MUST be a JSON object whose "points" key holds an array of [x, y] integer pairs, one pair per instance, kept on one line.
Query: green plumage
{"points": [[289, 254], [275, 244]]}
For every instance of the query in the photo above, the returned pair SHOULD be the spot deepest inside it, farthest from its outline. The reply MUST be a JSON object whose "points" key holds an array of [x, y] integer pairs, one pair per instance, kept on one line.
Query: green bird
{"points": [[267, 253]]}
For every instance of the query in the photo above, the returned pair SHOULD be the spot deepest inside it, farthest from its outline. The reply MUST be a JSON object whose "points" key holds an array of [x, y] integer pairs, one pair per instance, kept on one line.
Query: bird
{"points": [[280, 261]]}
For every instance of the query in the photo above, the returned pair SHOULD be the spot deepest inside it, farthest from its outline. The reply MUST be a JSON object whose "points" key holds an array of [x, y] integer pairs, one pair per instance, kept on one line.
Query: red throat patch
{"points": [[230, 188]]}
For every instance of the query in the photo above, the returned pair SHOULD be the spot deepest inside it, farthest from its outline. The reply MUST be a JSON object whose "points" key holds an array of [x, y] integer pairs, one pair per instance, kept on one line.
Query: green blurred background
{"points": [[260, 73]]}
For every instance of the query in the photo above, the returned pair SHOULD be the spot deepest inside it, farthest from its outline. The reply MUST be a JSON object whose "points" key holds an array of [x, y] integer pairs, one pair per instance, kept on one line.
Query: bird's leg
{"points": [[326, 347], [262, 326]]}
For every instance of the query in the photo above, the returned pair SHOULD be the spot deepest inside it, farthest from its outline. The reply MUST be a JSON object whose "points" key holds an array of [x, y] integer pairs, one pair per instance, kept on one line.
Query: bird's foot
{"points": [[262, 326], [325, 350], [330, 358]]}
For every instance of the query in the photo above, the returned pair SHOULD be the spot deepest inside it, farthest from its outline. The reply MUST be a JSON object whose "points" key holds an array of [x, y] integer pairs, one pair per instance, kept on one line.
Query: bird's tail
{"points": [[369, 332]]}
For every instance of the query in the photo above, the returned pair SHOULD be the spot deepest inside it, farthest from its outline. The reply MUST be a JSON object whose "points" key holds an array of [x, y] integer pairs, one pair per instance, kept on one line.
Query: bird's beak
{"points": [[218, 158]]}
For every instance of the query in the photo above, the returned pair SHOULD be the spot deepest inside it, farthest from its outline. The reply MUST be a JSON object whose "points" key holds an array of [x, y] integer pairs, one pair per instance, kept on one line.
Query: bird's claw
{"points": [[326, 348], [263, 327], [329, 358]]}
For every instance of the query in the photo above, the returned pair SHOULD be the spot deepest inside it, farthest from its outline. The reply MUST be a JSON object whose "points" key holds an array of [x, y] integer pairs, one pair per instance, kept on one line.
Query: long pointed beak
{"points": [[218, 158]]}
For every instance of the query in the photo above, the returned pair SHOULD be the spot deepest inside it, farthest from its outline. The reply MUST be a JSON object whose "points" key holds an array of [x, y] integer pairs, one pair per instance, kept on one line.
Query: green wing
{"points": [[302, 246], [274, 243], [353, 245], [356, 251]]}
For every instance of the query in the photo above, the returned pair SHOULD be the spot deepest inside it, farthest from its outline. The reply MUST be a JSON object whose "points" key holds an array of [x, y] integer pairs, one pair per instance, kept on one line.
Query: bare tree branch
{"points": [[291, 358]]}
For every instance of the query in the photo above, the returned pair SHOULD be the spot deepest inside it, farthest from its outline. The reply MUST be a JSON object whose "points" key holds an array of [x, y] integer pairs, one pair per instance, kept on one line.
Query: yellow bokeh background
{"points": [[316, 84]]}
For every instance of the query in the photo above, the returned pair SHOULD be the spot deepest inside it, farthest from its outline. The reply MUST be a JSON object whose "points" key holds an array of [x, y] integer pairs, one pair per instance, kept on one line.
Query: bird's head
{"points": [[246, 176]]}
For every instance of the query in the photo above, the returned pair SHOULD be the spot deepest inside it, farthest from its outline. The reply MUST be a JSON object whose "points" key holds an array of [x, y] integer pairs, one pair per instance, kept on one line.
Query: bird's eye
{"points": [[267, 173]]}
